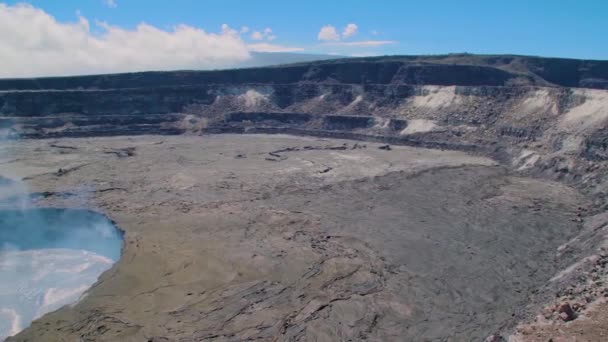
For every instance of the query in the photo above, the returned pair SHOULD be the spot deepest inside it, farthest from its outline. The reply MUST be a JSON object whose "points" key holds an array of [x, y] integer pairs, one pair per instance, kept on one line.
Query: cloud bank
{"points": [[33, 43]]}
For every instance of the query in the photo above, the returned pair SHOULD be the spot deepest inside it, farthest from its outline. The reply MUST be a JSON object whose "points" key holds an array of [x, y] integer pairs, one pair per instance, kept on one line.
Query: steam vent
{"points": [[408, 198], [48, 257]]}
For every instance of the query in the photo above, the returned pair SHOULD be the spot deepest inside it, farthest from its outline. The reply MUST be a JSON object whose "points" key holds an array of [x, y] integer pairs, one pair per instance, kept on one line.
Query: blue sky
{"points": [[558, 28], [561, 28]]}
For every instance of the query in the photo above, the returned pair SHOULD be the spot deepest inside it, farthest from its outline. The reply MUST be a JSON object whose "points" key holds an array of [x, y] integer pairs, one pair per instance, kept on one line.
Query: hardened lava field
{"points": [[235, 237]]}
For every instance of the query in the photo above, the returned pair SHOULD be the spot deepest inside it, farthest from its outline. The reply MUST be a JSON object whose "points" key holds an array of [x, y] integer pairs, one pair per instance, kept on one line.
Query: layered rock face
{"points": [[540, 114], [541, 117]]}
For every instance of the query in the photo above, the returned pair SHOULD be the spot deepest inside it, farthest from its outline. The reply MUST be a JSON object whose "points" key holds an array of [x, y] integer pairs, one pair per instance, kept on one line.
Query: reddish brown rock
{"points": [[565, 312]]}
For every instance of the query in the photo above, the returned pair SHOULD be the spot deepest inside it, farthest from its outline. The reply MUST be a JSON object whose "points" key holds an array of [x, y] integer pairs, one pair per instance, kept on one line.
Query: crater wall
{"points": [[541, 117]]}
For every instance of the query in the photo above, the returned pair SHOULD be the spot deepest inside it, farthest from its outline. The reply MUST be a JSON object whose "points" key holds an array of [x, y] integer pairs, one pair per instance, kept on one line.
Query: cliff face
{"points": [[455, 69], [522, 110]]}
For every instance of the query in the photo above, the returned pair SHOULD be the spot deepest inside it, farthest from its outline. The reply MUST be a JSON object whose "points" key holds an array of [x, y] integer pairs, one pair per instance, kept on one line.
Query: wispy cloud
{"points": [[363, 43], [329, 36], [110, 3], [265, 34], [266, 47], [363, 54]]}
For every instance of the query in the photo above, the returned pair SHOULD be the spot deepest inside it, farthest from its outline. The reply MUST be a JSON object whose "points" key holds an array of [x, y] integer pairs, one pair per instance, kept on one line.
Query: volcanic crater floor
{"points": [[283, 238]]}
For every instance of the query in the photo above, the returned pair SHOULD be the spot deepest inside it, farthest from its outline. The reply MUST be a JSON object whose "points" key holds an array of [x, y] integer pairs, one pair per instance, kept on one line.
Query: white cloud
{"points": [[266, 47], [266, 34], [363, 43], [330, 37], [34, 43], [350, 30], [328, 33], [244, 29], [110, 3], [257, 35], [226, 30]]}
